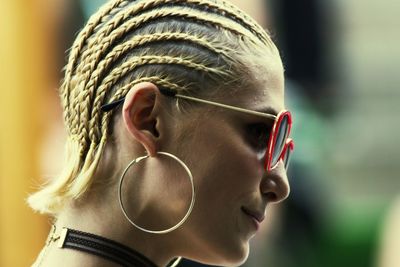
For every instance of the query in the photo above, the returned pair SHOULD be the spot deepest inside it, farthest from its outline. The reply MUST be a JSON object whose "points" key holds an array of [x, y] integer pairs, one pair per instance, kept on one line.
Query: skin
{"points": [[228, 176]]}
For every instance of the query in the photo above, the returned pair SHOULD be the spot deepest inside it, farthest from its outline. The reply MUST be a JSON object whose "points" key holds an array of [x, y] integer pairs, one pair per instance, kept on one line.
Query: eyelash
{"points": [[258, 134]]}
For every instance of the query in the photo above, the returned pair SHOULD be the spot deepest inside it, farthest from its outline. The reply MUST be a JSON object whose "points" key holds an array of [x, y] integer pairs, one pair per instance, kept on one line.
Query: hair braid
{"points": [[103, 31], [104, 43], [78, 45], [223, 8], [245, 18], [128, 66], [86, 33], [94, 57], [138, 41], [228, 9], [124, 28], [83, 101]]}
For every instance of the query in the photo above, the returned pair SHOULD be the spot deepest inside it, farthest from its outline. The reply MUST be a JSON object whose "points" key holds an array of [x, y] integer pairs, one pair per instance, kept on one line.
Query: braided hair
{"points": [[184, 45]]}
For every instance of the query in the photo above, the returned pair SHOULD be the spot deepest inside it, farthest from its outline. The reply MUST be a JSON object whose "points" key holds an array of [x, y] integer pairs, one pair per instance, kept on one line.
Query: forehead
{"points": [[265, 88]]}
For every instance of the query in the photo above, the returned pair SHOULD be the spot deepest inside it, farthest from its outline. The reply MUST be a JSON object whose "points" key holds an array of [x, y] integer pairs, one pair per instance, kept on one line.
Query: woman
{"points": [[177, 137]]}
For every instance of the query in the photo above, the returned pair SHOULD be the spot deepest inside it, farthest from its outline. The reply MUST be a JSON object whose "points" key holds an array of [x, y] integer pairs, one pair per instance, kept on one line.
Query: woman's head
{"points": [[208, 49]]}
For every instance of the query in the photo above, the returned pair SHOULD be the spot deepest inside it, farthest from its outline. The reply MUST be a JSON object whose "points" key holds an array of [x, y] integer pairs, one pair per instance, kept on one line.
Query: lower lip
{"points": [[255, 222]]}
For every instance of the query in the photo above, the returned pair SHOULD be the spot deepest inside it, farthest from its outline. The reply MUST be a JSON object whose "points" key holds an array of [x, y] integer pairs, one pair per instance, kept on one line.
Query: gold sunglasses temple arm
{"points": [[269, 116]]}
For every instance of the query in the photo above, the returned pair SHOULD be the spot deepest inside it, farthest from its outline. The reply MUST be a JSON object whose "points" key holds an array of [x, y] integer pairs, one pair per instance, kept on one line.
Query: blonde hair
{"points": [[186, 45]]}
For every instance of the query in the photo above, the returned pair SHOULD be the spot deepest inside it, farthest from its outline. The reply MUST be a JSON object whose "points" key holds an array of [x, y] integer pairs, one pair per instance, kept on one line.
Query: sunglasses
{"points": [[279, 145]]}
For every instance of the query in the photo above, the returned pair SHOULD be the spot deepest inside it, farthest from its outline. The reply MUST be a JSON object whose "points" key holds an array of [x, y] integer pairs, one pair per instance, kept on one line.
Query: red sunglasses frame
{"points": [[285, 157], [273, 138]]}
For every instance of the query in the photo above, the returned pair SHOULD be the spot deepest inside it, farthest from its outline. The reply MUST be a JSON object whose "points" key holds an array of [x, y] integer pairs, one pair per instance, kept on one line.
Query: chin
{"points": [[238, 254], [231, 256], [238, 259]]}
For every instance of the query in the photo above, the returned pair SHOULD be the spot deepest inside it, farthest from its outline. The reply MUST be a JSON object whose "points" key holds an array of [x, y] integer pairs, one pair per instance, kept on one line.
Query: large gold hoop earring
{"points": [[191, 202], [176, 262]]}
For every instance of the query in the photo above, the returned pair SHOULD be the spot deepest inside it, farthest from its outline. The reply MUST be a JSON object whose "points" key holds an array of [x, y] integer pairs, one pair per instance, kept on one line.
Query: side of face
{"points": [[222, 150]]}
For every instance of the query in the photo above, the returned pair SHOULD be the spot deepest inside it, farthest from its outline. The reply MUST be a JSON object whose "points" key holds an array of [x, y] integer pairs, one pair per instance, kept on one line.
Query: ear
{"points": [[140, 112]]}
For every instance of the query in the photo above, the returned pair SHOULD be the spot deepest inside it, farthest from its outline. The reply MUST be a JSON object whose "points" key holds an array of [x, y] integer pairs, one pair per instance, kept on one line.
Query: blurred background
{"points": [[342, 78]]}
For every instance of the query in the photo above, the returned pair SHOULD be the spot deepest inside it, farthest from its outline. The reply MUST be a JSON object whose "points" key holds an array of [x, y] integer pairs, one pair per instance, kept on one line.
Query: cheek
{"points": [[226, 175], [224, 163], [228, 166], [239, 165]]}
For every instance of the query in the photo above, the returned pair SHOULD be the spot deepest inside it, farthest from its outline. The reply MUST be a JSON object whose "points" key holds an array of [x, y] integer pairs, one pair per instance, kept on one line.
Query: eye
{"points": [[258, 135]]}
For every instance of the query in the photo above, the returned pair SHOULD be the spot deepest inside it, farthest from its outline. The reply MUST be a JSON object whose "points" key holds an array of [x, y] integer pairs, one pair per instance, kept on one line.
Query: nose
{"points": [[275, 185]]}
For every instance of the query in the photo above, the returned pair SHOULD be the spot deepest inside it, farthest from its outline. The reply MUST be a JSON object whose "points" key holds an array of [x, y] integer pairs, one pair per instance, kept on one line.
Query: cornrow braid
{"points": [[117, 73], [91, 63], [91, 26], [168, 12], [190, 46], [145, 5], [104, 42], [255, 27], [141, 6], [139, 41], [79, 44], [227, 9]]}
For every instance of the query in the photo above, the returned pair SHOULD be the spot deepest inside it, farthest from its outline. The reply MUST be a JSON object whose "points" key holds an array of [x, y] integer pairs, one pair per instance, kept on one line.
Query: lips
{"points": [[258, 216]]}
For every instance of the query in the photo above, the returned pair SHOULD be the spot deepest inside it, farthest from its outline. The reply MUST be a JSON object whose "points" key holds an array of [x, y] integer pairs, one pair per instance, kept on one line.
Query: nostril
{"points": [[275, 187], [271, 197]]}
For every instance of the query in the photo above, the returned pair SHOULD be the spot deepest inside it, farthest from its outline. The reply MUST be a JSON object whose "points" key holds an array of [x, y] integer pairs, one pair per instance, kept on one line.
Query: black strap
{"points": [[110, 106], [103, 247]]}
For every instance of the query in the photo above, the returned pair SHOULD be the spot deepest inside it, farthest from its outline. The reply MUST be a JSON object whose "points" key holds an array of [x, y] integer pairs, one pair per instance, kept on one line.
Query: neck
{"points": [[110, 225]]}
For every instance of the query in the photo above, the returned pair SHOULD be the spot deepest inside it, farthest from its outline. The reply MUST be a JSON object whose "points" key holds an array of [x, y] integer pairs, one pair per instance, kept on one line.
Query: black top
{"points": [[103, 247]]}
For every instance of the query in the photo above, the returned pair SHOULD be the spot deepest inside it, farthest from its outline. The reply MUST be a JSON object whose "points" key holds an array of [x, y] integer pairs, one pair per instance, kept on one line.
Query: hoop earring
{"points": [[191, 202], [176, 262]]}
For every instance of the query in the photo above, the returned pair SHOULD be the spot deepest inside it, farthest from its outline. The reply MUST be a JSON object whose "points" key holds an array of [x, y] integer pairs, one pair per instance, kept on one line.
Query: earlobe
{"points": [[139, 114]]}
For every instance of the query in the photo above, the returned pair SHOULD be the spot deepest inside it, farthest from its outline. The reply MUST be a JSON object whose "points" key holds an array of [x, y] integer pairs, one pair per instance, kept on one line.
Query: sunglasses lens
{"points": [[286, 157], [281, 135]]}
